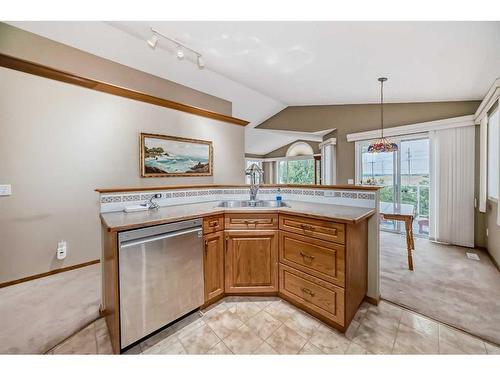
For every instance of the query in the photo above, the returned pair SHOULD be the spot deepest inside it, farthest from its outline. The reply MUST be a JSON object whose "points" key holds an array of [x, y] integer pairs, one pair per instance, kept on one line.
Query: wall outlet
{"points": [[350, 181], [5, 190], [61, 250], [158, 195], [329, 193]]}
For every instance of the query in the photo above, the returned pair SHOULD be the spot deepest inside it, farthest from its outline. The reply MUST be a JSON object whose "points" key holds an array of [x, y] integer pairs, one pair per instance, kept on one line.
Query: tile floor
{"points": [[269, 325]]}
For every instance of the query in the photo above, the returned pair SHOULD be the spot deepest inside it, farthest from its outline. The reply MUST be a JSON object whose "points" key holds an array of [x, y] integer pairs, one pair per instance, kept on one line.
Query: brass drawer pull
{"points": [[304, 255], [308, 291], [307, 227], [213, 223], [254, 222]]}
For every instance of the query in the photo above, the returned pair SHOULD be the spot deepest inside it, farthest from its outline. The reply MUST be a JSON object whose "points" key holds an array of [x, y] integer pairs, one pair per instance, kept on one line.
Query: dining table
{"points": [[405, 213]]}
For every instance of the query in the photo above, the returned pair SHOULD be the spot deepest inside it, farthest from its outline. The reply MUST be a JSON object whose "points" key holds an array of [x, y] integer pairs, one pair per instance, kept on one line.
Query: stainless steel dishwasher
{"points": [[161, 276]]}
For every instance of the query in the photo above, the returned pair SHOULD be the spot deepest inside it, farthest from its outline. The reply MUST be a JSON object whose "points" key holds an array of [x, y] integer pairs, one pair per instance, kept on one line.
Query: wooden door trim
{"points": [[40, 70]]}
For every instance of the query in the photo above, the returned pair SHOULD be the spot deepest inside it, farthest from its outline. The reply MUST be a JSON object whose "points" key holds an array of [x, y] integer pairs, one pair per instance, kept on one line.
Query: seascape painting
{"points": [[166, 156]]}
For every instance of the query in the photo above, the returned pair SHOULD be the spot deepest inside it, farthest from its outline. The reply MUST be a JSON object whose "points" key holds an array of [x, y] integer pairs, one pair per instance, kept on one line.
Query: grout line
{"points": [[439, 322]]}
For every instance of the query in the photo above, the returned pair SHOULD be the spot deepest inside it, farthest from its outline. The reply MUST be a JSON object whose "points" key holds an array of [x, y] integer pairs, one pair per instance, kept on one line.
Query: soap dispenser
{"points": [[278, 195]]}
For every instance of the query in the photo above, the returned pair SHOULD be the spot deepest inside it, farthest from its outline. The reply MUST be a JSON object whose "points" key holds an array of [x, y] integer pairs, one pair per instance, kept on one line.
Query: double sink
{"points": [[250, 203]]}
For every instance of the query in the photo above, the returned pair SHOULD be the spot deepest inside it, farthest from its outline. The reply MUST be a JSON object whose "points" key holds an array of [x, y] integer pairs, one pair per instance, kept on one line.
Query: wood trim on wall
{"points": [[40, 70], [52, 272], [263, 186]]}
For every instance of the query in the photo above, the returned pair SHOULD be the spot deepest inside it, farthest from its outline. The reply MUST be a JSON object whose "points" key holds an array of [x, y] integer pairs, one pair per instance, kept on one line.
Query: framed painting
{"points": [[166, 156]]}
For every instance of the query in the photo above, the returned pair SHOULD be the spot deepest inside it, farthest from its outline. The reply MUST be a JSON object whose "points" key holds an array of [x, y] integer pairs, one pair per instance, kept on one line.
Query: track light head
{"points": [[180, 53], [153, 41], [200, 62]]}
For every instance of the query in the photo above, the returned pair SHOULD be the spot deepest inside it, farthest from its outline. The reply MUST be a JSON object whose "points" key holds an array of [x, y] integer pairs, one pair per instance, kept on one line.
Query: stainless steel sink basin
{"points": [[236, 204]]}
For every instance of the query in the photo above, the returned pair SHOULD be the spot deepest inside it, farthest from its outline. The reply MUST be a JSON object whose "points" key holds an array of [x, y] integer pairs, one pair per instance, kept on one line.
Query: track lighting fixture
{"points": [[181, 49], [180, 53], [200, 62], [153, 41]]}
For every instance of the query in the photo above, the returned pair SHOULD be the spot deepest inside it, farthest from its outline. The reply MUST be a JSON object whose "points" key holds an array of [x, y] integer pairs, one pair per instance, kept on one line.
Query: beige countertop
{"points": [[117, 221]]}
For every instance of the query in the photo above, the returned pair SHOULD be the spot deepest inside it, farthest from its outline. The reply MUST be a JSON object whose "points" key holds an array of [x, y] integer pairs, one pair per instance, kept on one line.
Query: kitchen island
{"points": [[312, 254]]}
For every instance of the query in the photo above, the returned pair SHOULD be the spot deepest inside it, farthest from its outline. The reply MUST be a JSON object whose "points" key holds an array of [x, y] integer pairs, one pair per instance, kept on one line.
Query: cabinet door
{"points": [[213, 263], [251, 261]]}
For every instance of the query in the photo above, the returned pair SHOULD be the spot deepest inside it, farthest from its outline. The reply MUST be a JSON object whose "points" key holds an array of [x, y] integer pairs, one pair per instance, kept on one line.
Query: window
{"points": [[296, 171], [493, 155]]}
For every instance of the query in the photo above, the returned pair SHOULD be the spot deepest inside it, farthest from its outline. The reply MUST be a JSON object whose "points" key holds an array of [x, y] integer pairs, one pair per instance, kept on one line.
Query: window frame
{"points": [[490, 138]]}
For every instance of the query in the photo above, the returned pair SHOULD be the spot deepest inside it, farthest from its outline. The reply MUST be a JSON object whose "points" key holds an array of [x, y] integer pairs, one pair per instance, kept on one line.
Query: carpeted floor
{"points": [[444, 285], [39, 314]]}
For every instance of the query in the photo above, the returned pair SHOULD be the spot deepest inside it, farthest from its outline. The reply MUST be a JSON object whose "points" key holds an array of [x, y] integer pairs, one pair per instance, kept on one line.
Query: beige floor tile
{"points": [[411, 341], [243, 341], [384, 315], [215, 308], [352, 329], [263, 324], [220, 348], [162, 339], [185, 326], [263, 301], [281, 310], [303, 324], [375, 338], [163, 336], [199, 340], [329, 341], [167, 347], [492, 349], [265, 348], [245, 310], [286, 341], [83, 342], [356, 349], [309, 348], [224, 323], [460, 341], [419, 323]]}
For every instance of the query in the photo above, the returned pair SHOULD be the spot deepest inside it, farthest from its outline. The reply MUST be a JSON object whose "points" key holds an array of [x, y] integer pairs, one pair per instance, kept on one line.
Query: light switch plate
{"points": [[5, 190], [350, 181]]}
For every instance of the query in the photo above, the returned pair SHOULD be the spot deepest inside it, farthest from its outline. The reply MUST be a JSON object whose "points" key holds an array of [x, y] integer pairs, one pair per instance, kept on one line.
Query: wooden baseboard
{"points": [[53, 272], [372, 300]]}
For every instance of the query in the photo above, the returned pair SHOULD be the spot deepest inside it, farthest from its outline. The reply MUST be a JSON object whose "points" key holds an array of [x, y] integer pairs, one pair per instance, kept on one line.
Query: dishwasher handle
{"points": [[159, 237]]}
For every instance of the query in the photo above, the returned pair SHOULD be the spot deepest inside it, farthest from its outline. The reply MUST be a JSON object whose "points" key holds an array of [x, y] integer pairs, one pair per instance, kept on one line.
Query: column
{"points": [[329, 161]]}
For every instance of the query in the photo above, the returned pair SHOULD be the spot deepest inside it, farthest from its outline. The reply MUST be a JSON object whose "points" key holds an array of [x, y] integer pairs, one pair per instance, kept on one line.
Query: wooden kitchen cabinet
{"points": [[251, 261], [213, 264]]}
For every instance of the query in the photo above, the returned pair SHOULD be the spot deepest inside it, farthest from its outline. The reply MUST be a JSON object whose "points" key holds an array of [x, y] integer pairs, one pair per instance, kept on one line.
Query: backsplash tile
{"points": [[118, 202]]}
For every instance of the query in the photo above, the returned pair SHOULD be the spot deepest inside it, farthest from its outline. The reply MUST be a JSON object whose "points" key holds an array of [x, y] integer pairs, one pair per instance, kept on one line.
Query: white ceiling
{"points": [[264, 66], [301, 63]]}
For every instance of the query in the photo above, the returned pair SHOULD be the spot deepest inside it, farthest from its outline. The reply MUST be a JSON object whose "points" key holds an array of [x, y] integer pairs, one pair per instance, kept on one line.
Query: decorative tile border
{"points": [[116, 201]]}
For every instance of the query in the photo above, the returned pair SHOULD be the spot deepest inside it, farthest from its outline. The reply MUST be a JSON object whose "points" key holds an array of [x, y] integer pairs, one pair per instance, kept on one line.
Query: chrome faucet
{"points": [[255, 173], [152, 205]]}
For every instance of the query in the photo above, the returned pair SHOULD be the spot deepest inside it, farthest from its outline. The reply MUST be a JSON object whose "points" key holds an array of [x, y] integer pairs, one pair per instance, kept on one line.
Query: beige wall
{"points": [[59, 142], [28, 46]]}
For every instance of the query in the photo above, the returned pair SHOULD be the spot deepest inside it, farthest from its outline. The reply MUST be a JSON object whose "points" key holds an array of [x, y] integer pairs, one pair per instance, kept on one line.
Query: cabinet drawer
{"points": [[213, 224], [320, 296], [322, 229], [251, 221], [319, 258]]}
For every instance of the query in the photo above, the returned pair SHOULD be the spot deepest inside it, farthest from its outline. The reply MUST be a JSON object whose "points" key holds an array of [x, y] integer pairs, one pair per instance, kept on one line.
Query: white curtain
{"points": [[452, 183]]}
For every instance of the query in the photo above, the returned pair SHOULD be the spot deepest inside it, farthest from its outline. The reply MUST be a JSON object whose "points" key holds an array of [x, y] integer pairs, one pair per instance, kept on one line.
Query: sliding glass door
{"points": [[404, 177]]}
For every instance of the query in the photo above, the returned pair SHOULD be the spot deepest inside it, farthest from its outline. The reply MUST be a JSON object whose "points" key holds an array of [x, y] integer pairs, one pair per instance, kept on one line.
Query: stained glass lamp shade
{"points": [[382, 144]]}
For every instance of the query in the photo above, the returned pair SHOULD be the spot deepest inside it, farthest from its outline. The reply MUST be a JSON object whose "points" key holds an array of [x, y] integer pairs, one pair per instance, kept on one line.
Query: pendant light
{"points": [[382, 144]]}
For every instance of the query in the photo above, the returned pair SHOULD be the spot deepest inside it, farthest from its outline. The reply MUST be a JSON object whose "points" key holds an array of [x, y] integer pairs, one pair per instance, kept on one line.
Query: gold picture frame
{"points": [[169, 156]]}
